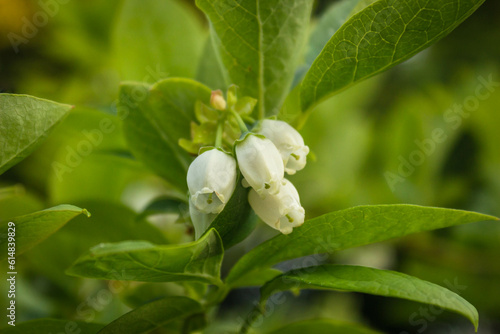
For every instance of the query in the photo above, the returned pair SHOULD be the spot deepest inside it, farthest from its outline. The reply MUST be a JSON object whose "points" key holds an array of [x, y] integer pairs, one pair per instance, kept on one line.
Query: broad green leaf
{"points": [[378, 37], [153, 315], [349, 228], [110, 222], [146, 262], [259, 279], [155, 118], [331, 20], [16, 201], [47, 325], [25, 121], [210, 71], [35, 227], [236, 221], [259, 43], [157, 39], [373, 281], [322, 326]]}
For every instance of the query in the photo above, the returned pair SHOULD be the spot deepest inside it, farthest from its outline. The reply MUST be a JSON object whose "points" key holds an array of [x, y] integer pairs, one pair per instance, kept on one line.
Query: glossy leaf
{"points": [[259, 43], [25, 121], [372, 281], [349, 228], [155, 118], [377, 38], [147, 42], [236, 221], [322, 326], [143, 261], [35, 227], [153, 315], [47, 325], [259, 279]]}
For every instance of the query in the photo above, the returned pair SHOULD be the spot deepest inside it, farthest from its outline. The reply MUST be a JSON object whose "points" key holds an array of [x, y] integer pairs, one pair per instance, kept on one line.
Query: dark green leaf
{"points": [[375, 39], [143, 261], [155, 118], [260, 279], [236, 221], [157, 39], [322, 326], [373, 281], [349, 228], [25, 121], [47, 325], [35, 227], [259, 42], [153, 315]]}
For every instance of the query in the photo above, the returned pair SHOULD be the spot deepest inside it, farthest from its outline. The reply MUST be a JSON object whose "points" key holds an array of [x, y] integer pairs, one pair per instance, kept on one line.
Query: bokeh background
{"points": [[80, 54]]}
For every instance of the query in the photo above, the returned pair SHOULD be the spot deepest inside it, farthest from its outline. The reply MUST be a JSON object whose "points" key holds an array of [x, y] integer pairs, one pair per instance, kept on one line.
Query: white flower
{"points": [[201, 221], [211, 179], [289, 143], [281, 211], [260, 163]]}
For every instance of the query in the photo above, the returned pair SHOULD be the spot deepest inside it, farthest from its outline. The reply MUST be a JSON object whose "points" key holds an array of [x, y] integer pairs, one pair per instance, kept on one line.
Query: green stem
{"points": [[218, 136], [240, 121]]}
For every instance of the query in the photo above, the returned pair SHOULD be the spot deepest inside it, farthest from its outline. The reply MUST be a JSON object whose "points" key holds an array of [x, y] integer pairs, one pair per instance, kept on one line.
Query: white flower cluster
{"points": [[263, 157]]}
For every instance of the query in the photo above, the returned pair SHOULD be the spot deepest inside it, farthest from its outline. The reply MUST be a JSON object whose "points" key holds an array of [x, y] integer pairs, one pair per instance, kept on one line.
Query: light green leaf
{"points": [[16, 201], [143, 261], [157, 39], [259, 43], [375, 39], [153, 315], [47, 325], [35, 227], [210, 71], [373, 281], [322, 326], [25, 121], [331, 20], [155, 118], [236, 221], [349, 228]]}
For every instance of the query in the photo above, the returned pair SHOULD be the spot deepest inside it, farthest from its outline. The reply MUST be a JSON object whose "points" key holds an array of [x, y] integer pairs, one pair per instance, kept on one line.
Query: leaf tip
{"points": [[86, 213]]}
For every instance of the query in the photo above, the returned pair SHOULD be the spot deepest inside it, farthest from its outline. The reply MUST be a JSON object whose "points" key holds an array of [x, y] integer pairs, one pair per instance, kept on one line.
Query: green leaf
{"points": [[25, 121], [153, 315], [143, 261], [110, 222], [349, 228], [236, 221], [35, 227], [210, 71], [322, 326], [382, 35], [331, 20], [157, 39], [16, 201], [47, 325], [155, 118], [260, 279], [373, 281], [259, 43]]}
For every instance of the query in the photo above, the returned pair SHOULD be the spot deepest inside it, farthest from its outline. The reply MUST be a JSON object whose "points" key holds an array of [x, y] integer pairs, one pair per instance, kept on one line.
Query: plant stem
{"points": [[240, 121], [218, 136]]}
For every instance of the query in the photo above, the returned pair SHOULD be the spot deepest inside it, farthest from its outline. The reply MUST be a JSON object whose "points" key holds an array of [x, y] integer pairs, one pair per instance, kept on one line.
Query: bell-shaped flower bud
{"points": [[260, 163], [211, 180], [289, 143], [281, 211]]}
